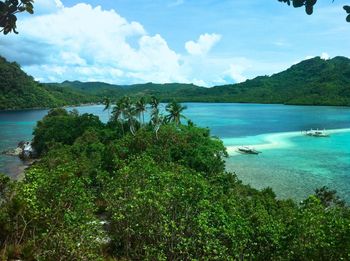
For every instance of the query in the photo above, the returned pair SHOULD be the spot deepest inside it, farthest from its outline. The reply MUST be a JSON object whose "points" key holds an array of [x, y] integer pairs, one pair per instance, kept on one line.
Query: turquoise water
{"points": [[292, 164]]}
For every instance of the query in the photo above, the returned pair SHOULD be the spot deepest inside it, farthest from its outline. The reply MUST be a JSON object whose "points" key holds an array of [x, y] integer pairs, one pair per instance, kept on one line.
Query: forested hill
{"points": [[311, 82], [165, 92], [19, 90]]}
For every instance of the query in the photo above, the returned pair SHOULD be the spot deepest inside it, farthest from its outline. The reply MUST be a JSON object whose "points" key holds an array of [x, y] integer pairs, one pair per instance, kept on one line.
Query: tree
{"points": [[175, 109], [107, 104], [8, 11], [156, 119], [124, 112], [309, 6], [140, 108], [129, 113]]}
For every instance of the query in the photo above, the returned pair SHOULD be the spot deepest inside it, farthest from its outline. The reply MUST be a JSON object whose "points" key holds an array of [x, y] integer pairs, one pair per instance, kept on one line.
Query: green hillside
{"points": [[311, 82], [19, 90], [165, 91]]}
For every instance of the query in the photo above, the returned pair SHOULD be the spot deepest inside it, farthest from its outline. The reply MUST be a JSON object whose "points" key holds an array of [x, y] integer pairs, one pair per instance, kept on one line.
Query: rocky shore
{"points": [[24, 151]]}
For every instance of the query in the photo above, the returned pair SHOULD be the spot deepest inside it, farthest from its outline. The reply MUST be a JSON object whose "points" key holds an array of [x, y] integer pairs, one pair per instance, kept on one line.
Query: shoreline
{"points": [[271, 141], [49, 108], [166, 100]]}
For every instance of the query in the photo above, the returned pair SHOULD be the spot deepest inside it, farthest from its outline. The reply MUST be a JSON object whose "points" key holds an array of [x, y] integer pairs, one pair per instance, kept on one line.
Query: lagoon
{"points": [[292, 164]]}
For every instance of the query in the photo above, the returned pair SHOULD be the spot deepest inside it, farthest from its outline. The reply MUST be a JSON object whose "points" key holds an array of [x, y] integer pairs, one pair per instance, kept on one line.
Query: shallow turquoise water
{"points": [[292, 164], [297, 165]]}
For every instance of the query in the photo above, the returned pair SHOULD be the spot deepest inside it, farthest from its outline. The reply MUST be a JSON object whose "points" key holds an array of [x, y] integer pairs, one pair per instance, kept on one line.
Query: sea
{"points": [[291, 163]]}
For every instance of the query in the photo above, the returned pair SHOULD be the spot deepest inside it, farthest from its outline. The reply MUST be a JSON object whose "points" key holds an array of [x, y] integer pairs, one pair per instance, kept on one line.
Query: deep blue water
{"points": [[292, 164]]}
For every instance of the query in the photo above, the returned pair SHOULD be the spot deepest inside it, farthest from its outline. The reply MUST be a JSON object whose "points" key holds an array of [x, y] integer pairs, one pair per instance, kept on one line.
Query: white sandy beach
{"points": [[269, 141]]}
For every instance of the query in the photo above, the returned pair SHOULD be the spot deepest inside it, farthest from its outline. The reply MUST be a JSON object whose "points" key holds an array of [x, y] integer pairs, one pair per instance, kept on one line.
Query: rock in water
{"points": [[24, 151], [27, 150]]}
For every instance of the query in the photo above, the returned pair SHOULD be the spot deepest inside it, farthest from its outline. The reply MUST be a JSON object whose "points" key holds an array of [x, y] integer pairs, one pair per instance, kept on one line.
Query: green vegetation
{"points": [[157, 190], [8, 11], [18, 91], [309, 6], [311, 82]]}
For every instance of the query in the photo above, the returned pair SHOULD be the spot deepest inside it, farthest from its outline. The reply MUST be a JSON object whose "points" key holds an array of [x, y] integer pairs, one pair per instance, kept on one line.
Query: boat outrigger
{"points": [[247, 150], [316, 133]]}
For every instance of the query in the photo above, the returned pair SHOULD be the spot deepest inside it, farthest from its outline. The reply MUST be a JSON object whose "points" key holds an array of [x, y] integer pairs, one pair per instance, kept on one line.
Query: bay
{"points": [[291, 163]]}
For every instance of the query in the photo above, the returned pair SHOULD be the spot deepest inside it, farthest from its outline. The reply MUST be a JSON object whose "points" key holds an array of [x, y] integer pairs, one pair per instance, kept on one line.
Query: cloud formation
{"points": [[203, 45], [325, 56], [89, 43]]}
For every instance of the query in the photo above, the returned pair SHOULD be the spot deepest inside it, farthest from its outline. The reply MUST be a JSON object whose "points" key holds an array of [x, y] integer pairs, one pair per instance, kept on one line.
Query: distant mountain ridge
{"points": [[311, 82]]}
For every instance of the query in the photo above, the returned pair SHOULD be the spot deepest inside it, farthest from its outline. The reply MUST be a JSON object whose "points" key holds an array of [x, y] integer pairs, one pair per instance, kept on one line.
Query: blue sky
{"points": [[207, 42]]}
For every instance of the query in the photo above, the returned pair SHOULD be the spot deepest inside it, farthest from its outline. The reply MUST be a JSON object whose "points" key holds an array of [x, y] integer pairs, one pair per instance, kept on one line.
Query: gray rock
{"points": [[24, 151]]}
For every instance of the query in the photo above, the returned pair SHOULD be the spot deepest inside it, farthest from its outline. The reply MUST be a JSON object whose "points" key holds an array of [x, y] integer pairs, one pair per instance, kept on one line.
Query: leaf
{"points": [[14, 2], [7, 30], [30, 10], [309, 9], [347, 8], [311, 2], [3, 7], [298, 3], [348, 18]]}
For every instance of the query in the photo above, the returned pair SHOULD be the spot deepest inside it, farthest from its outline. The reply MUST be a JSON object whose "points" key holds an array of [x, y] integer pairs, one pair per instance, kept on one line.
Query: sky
{"points": [[205, 42]]}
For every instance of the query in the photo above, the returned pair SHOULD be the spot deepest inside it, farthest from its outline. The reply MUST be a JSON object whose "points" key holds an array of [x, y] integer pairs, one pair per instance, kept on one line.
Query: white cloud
{"points": [[84, 42], [91, 44], [236, 73], [203, 45], [325, 56], [46, 7]]}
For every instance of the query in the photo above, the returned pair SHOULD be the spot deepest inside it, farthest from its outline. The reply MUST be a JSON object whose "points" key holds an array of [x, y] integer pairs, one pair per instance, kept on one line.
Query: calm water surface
{"points": [[292, 164]]}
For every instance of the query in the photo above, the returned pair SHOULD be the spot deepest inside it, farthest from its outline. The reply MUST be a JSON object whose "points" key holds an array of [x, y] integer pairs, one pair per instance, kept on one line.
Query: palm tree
{"points": [[118, 111], [140, 108], [129, 113], [156, 119], [175, 110], [154, 103], [107, 104], [154, 110]]}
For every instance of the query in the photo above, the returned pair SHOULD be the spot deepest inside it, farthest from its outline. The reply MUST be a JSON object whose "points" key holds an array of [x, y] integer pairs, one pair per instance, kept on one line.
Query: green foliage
{"points": [[59, 126], [167, 213], [175, 109], [309, 6], [18, 91], [8, 11], [189, 146], [103, 192], [311, 82]]}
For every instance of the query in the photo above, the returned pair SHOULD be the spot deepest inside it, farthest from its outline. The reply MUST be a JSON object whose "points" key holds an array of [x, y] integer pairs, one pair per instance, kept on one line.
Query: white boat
{"points": [[317, 133], [247, 150]]}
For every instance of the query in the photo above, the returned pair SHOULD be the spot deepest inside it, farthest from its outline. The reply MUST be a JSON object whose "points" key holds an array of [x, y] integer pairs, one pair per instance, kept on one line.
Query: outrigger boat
{"points": [[317, 133], [247, 150]]}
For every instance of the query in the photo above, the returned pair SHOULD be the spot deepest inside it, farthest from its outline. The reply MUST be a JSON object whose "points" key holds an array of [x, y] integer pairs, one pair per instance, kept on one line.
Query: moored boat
{"points": [[247, 150], [317, 133]]}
